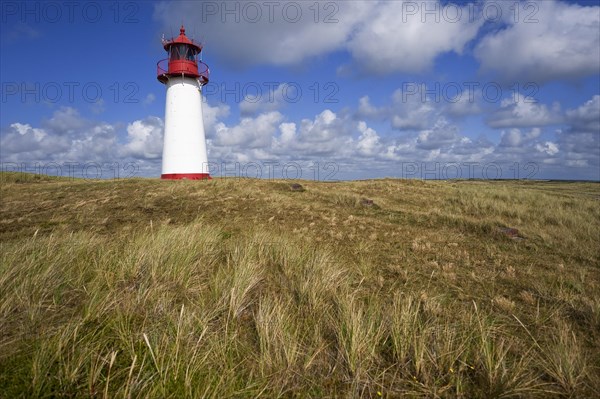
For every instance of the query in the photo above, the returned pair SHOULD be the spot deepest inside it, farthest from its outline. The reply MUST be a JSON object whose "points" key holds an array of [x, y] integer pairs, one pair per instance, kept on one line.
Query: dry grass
{"points": [[229, 288]]}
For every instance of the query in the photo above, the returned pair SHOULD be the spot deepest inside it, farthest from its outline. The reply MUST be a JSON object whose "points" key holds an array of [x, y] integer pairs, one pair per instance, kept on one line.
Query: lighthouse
{"points": [[183, 74]]}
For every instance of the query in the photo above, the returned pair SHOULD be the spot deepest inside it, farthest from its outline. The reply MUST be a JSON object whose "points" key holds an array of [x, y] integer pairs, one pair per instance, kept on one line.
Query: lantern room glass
{"points": [[182, 52]]}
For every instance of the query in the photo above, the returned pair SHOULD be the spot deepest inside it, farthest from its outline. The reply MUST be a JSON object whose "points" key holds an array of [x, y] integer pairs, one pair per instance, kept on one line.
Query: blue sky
{"points": [[356, 89]]}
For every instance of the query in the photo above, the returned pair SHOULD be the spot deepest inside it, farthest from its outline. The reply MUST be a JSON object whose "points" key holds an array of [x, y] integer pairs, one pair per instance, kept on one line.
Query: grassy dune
{"points": [[242, 288]]}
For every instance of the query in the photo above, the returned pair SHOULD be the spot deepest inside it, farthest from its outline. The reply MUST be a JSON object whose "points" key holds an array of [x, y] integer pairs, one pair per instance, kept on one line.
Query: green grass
{"points": [[244, 288]]}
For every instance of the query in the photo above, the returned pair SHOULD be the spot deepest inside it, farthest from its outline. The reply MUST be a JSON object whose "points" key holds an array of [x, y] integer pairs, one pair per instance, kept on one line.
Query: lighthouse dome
{"points": [[182, 39]]}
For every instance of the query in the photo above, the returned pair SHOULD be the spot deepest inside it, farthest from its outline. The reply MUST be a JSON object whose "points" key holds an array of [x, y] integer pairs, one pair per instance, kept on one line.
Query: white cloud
{"points": [[411, 112], [282, 33], [23, 129], [515, 138], [407, 111], [382, 36], [325, 135], [440, 135], [69, 137], [466, 103], [66, 120], [211, 116], [558, 41], [328, 136], [580, 142], [145, 138], [250, 132], [511, 138], [367, 110], [521, 111], [65, 136], [533, 133], [385, 37], [562, 44], [587, 116], [393, 39], [548, 147], [368, 143], [22, 138]]}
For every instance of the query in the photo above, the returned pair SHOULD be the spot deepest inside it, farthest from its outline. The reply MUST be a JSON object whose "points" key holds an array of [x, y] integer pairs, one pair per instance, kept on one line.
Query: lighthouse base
{"points": [[185, 176]]}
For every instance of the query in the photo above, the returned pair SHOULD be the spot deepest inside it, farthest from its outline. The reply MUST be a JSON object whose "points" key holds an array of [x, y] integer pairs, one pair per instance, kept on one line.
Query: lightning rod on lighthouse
{"points": [[183, 74]]}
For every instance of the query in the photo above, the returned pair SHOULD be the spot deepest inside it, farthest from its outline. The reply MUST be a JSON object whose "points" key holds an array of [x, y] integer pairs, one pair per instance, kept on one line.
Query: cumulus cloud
{"points": [[368, 144], [417, 108], [581, 149], [328, 135], [428, 134], [382, 36], [573, 150], [547, 40], [548, 147], [249, 133], [340, 137], [401, 36], [22, 140], [581, 140], [212, 115], [466, 103], [65, 136], [145, 138], [558, 41], [515, 138], [511, 138], [407, 111], [367, 110], [434, 138], [66, 120], [410, 111], [69, 137], [522, 111], [325, 135], [276, 33], [441, 134], [587, 116]]}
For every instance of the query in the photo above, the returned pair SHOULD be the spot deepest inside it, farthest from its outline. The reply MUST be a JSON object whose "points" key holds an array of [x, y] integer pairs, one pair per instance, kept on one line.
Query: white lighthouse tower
{"points": [[184, 149]]}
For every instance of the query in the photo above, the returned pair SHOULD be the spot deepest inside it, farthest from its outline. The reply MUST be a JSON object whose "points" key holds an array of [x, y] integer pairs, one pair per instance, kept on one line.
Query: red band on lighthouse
{"points": [[188, 176]]}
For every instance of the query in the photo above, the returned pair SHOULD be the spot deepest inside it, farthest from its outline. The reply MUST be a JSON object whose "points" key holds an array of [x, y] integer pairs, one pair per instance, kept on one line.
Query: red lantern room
{"points": [[183, 59]]}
